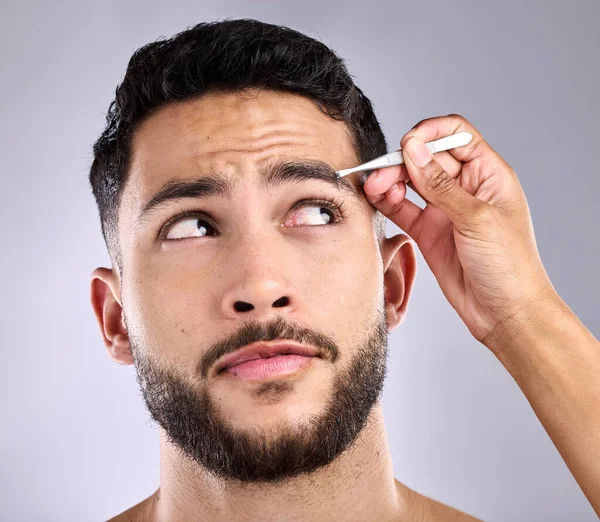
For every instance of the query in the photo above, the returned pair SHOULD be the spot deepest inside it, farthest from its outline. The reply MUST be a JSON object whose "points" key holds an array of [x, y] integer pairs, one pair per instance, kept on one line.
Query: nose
{"points": [[244, 306], [262, 297], [258, 300], [260, 277]]}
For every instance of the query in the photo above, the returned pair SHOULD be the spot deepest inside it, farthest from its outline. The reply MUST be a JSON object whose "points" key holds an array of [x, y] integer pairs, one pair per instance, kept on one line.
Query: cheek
{"points": [[347, 280], [164, 308]]}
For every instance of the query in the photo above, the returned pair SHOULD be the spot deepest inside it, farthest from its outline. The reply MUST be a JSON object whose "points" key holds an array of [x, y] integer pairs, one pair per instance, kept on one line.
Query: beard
{"points": [[200, 431]]}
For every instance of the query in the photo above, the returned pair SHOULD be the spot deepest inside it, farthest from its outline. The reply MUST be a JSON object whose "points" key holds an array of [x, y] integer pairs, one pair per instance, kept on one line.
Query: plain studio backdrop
{"points": [[76, 441]]}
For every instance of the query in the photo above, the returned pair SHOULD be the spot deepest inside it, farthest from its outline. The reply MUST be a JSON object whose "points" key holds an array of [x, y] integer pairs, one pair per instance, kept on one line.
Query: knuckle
{"points": [[463, 122], [423, 121], [440, 181], [395, 208], [415, 129], [407, 136]]}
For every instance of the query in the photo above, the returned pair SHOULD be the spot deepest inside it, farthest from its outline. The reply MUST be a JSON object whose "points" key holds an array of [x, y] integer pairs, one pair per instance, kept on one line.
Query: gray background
{"points": [[76, 442]]}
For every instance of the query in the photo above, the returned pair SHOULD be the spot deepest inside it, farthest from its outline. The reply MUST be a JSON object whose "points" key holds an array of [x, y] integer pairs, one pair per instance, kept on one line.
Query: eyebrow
{"points": [[273, 176]]}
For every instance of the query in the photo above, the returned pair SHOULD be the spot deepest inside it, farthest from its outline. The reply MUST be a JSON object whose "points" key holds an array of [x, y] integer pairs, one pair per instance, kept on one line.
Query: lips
{"points": [[265, 350]]}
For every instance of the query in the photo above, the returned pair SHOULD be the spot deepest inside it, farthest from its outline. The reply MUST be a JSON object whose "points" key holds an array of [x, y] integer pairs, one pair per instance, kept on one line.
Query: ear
{"points": [[105, 296], [400, 270]]}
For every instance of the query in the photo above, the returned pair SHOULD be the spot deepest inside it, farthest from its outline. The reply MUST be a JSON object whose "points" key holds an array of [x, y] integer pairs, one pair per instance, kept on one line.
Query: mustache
{"points": [[255, 331]]}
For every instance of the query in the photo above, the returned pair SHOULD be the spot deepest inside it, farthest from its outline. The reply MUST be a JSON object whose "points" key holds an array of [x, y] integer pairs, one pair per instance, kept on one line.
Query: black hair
{"points": [[230, 56]]}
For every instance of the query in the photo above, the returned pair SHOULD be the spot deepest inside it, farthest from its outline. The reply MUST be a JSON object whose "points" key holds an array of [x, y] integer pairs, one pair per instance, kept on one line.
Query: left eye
{"points": [[312, 215]]}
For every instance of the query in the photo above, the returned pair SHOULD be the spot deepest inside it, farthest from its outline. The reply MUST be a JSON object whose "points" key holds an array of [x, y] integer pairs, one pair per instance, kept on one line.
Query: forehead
{"points": [[233, 134]]}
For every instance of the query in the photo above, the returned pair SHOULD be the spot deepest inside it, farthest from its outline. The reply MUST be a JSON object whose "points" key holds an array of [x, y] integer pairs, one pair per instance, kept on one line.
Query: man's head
{"points": [[226, 226]]}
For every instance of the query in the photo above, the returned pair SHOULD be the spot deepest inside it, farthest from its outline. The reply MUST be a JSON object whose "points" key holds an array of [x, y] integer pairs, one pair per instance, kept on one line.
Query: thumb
{"points": [[436, 185]]}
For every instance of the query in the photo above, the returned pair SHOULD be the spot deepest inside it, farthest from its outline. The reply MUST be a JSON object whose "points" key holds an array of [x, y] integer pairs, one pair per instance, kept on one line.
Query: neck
{"points": [[358, 485]]}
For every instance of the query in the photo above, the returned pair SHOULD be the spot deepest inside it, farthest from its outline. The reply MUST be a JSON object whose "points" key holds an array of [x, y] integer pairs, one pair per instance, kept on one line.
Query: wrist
{"points": [[529, 325]]}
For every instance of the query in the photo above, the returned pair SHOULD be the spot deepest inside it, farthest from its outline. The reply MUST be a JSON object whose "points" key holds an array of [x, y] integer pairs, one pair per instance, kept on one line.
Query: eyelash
{"points": [[335, 205]]}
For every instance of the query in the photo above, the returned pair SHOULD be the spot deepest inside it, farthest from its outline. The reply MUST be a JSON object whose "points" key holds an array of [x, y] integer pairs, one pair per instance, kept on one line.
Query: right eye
{"points": [[193, 227]]}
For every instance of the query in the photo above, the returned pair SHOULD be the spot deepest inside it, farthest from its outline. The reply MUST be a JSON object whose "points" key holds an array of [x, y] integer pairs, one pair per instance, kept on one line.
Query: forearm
{"points": [[555, 360]]}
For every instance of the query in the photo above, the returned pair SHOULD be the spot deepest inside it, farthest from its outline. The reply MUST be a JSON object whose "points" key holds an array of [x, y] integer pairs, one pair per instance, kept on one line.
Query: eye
{"points": [[308, 212], [194, 226], [315, 213]]}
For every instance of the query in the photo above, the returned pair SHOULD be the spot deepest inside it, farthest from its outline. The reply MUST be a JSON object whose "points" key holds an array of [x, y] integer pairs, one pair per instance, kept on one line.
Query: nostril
{"points": [[241, 306], [282, 301]]}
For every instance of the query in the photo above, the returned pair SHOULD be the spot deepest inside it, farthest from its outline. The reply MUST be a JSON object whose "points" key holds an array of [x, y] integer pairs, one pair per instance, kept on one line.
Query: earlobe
{"points": [[105, 298], [400, 270]]}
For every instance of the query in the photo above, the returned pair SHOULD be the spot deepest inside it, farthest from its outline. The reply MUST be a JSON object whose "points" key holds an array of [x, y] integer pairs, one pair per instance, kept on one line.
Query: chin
{"points": [[273, 402]]}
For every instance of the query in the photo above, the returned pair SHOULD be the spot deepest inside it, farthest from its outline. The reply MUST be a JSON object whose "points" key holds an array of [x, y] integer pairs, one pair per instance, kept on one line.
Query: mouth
{"points": [[261, 361]]}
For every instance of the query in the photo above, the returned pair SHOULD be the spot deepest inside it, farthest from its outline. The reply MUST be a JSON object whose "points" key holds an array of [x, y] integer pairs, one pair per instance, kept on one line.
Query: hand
{"points": [[475, 231]]}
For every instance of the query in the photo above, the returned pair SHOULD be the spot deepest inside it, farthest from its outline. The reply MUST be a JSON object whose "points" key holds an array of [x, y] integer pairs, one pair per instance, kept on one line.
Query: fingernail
{"points": [[418, 152], [373, 175]]}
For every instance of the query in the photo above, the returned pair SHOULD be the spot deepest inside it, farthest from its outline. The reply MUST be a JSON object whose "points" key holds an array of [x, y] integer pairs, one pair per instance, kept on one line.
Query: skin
{"points": [[179, 297], [476, 235]]}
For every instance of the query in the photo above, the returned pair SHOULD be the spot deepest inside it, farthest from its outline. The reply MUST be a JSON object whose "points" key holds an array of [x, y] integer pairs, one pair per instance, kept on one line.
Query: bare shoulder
{"points": [[434, 510], [425, 509], [141, 512]]}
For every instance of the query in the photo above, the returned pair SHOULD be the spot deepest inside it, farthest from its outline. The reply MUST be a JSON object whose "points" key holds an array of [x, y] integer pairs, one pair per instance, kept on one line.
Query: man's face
{"points": [[251, 262]]}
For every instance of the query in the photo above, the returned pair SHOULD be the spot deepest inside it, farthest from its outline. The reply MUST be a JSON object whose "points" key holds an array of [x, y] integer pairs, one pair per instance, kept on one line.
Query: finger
{"points": [[438, 187], [380, 180], [395, 194], [400, 210], [435, 215], [379, 189], [449, 163], [438, 127]]}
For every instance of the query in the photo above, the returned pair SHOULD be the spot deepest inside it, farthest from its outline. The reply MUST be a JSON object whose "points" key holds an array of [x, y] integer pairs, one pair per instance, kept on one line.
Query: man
{"points": [[254, 291]]}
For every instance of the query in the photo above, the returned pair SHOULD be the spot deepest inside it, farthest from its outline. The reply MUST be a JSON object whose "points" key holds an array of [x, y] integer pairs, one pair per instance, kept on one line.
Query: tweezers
{"points": [[395, 158]]}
